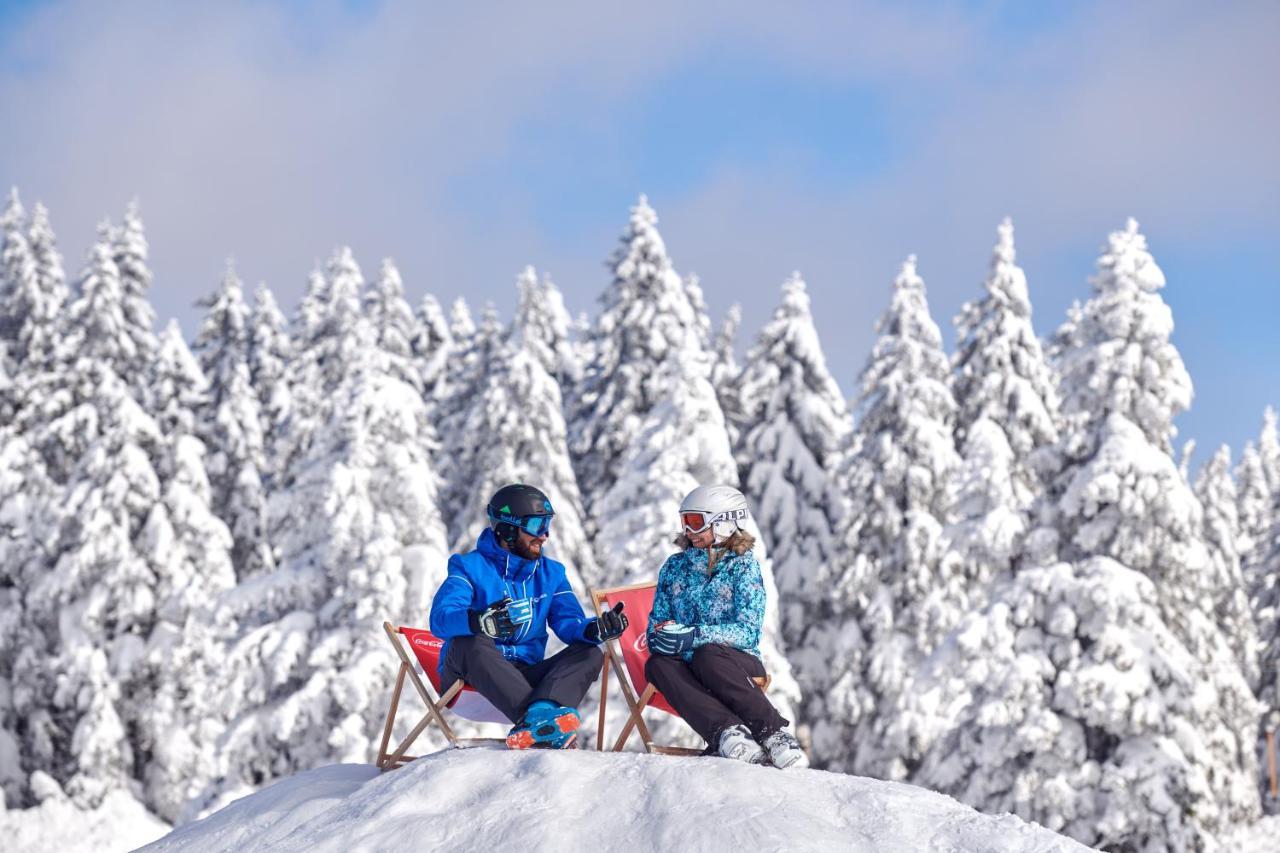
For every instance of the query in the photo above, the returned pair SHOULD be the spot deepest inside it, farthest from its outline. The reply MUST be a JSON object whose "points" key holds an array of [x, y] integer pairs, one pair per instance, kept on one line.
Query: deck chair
{"points": [[459, 698], [631, 651]]}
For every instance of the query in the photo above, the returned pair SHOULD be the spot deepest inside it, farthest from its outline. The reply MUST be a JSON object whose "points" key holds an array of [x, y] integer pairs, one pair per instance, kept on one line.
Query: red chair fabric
{"points": [[637, 604], [468, 703]]}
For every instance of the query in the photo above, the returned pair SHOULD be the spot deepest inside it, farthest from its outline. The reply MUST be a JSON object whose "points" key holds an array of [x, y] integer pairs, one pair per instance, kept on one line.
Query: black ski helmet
{"points": [[511, 505]]}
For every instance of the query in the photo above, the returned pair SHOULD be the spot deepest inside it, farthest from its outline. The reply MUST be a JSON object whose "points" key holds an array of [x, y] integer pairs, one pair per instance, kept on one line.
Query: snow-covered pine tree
{"points": [[1216, 492], [432, 346], [165, 702], [32, 283], [1254, 510], [1265, 602], [519, 420], [7, 372], [1006, 417], [44, 248], [647, 313], [269, 353], [91, 604], [324, 344], [461, 362], [25, 493], [1259, 503], [19, 283], [1115, 709], [702, 318], [222, 341], [471, 372], [33, 293], [898, 591], [179, 392], [795, 426], [545, 325], [394, 325], [41, 339], [1125, 365], [726, 375], [96, 331], [364, 543], [1258, 490], [129, 250], [1070, 704], [1269, 448], [231, 427], [32, 390]]}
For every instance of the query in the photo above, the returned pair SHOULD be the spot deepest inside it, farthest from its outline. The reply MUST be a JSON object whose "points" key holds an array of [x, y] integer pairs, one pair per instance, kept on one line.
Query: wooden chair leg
{"points": [[1271, 763], [636, 720], [422, 689], [604, 698], [391, 716], [433, 716], [629, 695]]}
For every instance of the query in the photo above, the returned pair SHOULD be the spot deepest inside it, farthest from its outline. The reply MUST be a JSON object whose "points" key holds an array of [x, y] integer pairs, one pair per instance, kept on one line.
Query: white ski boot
{"points": [[784, 750], [736, 743]]}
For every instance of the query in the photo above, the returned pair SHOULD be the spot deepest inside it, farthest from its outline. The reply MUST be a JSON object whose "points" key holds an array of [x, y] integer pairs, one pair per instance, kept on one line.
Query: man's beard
{"points": [[528, 550]]}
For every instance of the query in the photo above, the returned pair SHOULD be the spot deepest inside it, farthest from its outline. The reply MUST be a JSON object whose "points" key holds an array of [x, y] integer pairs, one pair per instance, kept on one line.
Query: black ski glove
{"points": [[494, 621], [672, 639], [610, 624]]}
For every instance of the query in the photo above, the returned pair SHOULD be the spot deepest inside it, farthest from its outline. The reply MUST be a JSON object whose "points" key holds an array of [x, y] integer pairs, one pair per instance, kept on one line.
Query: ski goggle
{"points": [[696, 522], [536, 526]]}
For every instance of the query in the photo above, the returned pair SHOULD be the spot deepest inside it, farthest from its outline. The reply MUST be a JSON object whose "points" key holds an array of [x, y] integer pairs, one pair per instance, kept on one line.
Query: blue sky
{"points": [[832, 138]]}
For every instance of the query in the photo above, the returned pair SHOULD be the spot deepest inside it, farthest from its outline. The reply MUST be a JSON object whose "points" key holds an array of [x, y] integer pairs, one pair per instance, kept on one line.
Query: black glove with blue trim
{"points": [[494, 621], [672, 639], [608, 625]]}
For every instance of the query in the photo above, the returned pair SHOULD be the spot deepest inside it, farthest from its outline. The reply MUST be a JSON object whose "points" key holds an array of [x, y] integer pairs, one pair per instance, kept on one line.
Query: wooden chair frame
{"points": [[435, 711], [1271, 763], [613, 660]]}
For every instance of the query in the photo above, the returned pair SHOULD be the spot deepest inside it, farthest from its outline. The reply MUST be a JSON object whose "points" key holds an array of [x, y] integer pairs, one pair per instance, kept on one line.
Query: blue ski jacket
{"points": [[489, 574], [726, 606]]}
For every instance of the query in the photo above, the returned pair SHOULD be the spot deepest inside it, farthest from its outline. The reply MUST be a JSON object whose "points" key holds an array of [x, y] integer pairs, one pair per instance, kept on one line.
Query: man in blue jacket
{"points": [[493, 609]]}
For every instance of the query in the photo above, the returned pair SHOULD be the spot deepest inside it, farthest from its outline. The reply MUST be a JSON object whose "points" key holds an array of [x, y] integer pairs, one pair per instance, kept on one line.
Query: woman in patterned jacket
{"points": [[704, 634]]}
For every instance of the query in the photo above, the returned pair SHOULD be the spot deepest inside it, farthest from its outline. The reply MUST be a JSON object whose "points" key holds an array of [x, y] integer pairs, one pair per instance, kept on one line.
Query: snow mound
{"points": [[479, 799]]}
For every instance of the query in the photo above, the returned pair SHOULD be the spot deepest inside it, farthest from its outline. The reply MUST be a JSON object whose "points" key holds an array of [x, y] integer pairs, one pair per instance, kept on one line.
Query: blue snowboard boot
{"points": [[545, 725]]}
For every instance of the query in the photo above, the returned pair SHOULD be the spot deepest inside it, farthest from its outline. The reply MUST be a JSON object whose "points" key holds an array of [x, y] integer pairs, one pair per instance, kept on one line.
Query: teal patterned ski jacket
{"points": [[726, 606]]}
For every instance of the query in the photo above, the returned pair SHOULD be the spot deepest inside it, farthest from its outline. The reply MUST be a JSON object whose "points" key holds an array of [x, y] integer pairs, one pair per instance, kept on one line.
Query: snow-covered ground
{"points": [[568, 801], [120, 823], [481, 799]]}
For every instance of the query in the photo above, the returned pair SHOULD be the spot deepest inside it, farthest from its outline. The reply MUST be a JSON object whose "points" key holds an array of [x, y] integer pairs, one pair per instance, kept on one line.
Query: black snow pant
{"points": [[714, 691], [512, 686]]}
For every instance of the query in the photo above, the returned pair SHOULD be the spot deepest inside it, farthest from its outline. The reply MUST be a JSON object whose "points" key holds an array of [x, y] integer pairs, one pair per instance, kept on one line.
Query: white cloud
{"points": [[275, 132]]}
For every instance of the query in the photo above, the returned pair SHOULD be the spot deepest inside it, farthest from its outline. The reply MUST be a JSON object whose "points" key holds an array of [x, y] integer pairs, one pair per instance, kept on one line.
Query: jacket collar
{"points": [[512, 566]]}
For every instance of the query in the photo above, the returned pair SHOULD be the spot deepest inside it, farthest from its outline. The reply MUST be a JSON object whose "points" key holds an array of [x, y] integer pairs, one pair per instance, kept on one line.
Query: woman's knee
{"points": [[658, 666], [709, 655]]}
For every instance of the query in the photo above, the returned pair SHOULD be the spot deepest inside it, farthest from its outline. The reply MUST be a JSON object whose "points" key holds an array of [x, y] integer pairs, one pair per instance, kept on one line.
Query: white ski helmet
{"points": [[722, 508]]}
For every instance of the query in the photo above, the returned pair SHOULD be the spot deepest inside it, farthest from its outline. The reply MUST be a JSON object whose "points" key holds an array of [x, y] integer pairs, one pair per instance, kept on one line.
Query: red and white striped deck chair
{"points": [[631, 651], [459, 698]]}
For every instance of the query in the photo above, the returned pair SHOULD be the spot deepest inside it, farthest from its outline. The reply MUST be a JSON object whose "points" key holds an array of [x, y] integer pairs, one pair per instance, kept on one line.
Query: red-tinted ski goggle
{"points": [[695, 522]]}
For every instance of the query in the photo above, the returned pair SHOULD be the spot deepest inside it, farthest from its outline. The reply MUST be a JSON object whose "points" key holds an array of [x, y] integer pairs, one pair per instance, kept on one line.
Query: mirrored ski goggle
{"points": [[695, 522], [535, 525]]}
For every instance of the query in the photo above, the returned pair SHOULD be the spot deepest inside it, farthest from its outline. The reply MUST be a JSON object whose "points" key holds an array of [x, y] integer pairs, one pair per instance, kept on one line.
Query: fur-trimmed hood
{"points": [[739, 543]]}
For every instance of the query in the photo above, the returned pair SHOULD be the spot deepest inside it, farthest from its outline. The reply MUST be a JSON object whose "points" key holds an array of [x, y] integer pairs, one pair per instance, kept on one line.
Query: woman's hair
{"points": [[739, 543]]}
